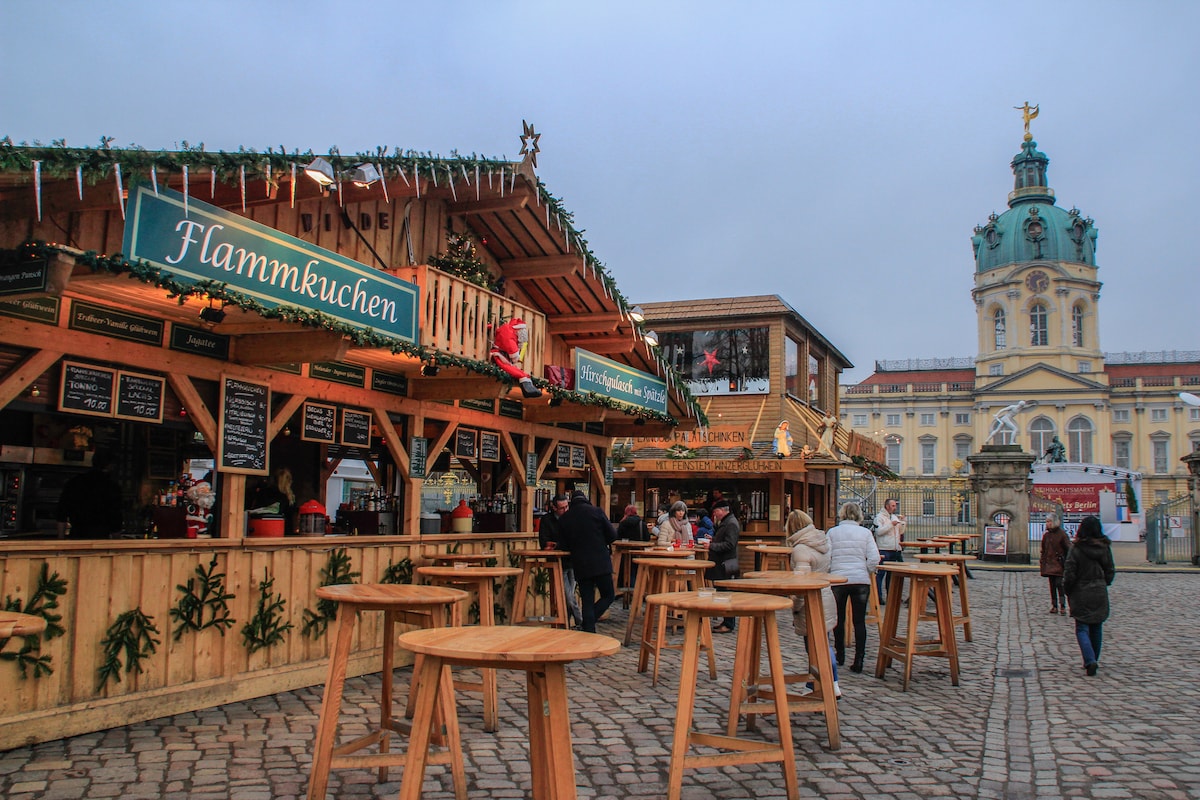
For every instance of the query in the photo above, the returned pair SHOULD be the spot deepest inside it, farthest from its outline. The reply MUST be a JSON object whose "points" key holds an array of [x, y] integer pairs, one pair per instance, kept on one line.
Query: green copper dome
{"points": [[1033, 228]]}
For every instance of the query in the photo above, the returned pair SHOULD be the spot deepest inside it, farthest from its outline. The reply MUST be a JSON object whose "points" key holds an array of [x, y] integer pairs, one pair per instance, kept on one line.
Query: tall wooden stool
{"points": [[551, 562], [639, 584], [906, 647], [483, 581], [624, 551], [542, 654], [761, 610], [431, 606], [670, 575], [959, 561]]}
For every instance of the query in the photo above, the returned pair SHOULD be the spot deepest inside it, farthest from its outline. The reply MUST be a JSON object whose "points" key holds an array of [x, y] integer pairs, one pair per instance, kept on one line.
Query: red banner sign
{"points": [[1075, 498]]}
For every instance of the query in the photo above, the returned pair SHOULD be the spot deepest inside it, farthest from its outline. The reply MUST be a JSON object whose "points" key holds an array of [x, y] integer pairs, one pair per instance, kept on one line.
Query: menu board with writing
{"points": [[562, 456], [318, 423], [356, 428], [578, 458], [531, 469], [464, 442], [489, 446], [139, 397], [87, 389], [243, 439], [418, 454]]}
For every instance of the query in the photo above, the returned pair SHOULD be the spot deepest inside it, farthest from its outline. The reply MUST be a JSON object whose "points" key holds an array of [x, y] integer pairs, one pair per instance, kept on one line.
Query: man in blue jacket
{"points": [[586, 532]]}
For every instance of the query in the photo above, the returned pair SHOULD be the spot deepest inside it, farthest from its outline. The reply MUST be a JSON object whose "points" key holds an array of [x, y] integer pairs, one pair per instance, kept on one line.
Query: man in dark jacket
{"points": [[550, 534], [587, 533], [91, 502], [723, 550]]}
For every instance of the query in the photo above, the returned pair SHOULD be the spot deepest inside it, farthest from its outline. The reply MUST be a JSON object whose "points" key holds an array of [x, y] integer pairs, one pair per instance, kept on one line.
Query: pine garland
{"points": [[336, 571], [266, 627], [189, 612], [132, 634]]}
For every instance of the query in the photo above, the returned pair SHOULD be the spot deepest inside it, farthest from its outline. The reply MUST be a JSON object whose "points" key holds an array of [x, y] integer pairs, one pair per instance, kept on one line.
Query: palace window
{"points": [[1161, 449], [962, 450], [1120, 415], [1038, 328], [928, 457], [962, 418], [858, 420], [1121, 453], [927, 420], [893, 420], [928, 503], [1000, 328], [1079, 440], [1158, 415], [995, 369], [1077, 326], [893, 453], [1041, 434]]}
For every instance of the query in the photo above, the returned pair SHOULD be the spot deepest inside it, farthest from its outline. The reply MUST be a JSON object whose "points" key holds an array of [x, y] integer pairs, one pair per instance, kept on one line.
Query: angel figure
{"points": [[830, 423]]}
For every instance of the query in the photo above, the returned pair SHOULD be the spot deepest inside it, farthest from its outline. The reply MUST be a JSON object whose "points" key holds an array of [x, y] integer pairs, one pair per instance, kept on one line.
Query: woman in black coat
{"points": [[1087, 574]]}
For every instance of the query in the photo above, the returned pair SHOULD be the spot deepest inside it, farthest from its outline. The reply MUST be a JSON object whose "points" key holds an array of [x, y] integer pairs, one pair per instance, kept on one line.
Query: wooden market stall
{"points": [[251, 311], [767, 382]]}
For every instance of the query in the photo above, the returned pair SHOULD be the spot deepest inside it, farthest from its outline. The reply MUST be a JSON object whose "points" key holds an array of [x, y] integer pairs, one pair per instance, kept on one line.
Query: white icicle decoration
{"points": [[293, 184], [476, 181], [450, 178], [185, 190], [154, 178], [501, 181], [120, 190], [37, 187], [433, 174], [512, 185], [267, 187], [79, 179], [402, 175], [383, 183], [212, 183], [242, 183]]}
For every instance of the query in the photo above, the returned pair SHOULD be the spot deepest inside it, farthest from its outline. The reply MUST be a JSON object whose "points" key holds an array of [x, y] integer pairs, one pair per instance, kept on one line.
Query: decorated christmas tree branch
{"points": [[336, 571], [132, 635], [189, 612], [399, 572], [267, 626]]}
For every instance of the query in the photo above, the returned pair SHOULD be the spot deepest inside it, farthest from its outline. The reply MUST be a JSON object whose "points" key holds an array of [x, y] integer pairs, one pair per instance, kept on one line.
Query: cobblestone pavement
{"points": [[1023, 723]]}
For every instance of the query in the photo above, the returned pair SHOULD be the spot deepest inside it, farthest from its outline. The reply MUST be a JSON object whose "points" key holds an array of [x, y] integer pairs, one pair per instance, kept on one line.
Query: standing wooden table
{"points": [[771, 557], [697, 610], [14, 623], [924, 577], [959, 562], [552, 562], [542, 653], [479, 559], [639, 586], [483, 581], [437, 607], [747, 690], [623, 552]]}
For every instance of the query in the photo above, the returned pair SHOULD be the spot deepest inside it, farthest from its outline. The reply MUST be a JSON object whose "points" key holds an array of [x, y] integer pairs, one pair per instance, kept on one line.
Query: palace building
{"points": [[1037, 300]]}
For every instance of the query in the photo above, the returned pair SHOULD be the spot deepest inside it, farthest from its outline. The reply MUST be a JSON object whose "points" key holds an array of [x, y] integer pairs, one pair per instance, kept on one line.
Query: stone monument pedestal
{"points": [[1000, 479]]}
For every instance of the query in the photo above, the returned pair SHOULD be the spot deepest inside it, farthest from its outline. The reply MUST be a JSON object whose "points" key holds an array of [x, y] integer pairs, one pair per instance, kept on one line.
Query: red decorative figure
{"points": [[508, 351]]}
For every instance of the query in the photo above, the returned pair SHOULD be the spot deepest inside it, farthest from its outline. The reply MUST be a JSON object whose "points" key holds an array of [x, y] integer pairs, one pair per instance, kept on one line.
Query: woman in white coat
{"points": [[810, 553], [853, 554]]}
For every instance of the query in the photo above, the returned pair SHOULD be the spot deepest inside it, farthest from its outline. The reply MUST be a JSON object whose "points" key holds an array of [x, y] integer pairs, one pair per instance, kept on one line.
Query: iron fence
{"points": [[932, 508], [1169, 534]]}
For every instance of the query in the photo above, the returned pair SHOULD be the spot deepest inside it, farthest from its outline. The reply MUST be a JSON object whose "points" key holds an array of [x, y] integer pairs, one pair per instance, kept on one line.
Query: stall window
{"points": [[793, 380], [721, 362]]}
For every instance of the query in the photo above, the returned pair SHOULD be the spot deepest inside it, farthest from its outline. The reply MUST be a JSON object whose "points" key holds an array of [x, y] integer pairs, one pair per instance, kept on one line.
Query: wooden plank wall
{"points": [[203, 668]]}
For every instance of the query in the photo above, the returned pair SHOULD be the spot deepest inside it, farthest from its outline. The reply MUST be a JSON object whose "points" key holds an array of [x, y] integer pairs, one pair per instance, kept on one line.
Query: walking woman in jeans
{"points": [[1086, 577], [853, 554]]}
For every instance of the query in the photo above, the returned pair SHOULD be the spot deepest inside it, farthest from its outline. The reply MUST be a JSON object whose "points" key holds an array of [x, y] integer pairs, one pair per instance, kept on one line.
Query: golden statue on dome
{"points": [[1028, 112]]}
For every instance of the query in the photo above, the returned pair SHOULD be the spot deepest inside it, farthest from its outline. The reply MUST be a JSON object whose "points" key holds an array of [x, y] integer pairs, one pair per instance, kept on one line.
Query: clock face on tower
{"points": [[1037, 281]]}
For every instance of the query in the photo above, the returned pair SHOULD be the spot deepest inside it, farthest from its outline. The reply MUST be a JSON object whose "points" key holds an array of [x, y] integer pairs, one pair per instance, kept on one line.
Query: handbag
{"points": [[731, 566]]}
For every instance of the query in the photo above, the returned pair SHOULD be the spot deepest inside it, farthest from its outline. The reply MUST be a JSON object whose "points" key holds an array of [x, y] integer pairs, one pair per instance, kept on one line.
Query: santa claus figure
{"points": [[509, 344]]}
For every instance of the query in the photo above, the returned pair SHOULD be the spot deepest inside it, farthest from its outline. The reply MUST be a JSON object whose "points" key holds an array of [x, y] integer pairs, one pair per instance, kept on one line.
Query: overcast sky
{"points": [[837, 154]]}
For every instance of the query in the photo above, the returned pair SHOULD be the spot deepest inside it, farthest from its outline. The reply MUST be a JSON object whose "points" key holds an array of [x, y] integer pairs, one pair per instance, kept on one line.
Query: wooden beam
{"points": [[285, 412], [25, 373], [567, 412], [199, 414], [584, 323], [391, 438], [527, 269], [512, 202], [617, 344], [456, 388], [281, 348]]}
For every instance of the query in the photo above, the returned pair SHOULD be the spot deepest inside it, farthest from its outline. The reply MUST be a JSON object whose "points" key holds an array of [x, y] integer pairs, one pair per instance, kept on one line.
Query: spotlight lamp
{"points": [[637, 315], [556, 401], [364, 175], [651, 338], [211, 313], [320, 171], [429, 369]]}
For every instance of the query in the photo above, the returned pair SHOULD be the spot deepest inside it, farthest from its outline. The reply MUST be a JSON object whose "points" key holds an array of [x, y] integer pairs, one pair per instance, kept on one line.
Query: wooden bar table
{"points": [[669, 575], [924, 577], [483, 581], [542, 654], [639, 586], [925, 545], [959, 561], [450, 559], [771, 557], [531, 562], [623, 552], [748, 691], [697, 610], [14, 624], [436, 607]]}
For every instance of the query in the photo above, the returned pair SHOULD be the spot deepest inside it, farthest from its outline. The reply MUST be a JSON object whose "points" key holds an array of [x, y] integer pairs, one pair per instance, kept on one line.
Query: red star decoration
{"points": [[710, 360]]}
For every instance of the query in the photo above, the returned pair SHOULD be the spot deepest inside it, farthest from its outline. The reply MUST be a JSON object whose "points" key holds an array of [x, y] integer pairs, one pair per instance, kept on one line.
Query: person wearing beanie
{"points": [[587, 533], [676, 530], [723, 550]]}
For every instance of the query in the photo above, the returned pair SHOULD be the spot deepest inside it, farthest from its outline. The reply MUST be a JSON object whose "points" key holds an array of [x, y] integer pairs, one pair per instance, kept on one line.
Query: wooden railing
{"points": [[457, 317]]}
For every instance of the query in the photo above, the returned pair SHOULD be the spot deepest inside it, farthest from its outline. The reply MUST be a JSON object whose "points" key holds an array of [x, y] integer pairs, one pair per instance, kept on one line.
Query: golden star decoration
{"points": [[529, 142]]}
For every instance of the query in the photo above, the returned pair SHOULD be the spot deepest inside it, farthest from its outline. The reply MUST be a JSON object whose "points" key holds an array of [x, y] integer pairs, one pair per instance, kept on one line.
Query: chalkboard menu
{"points": [[318, 423], [139, 397], [578, 458], [608, 470], [531, 469], [243, 439], [418, 453], [562, 456], [489, 446], [464, 442], [356, 428], [87, 389]]}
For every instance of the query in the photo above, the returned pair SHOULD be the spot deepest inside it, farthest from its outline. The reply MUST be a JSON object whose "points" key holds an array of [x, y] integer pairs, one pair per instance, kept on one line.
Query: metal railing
{"points": [[1169, 534]]}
